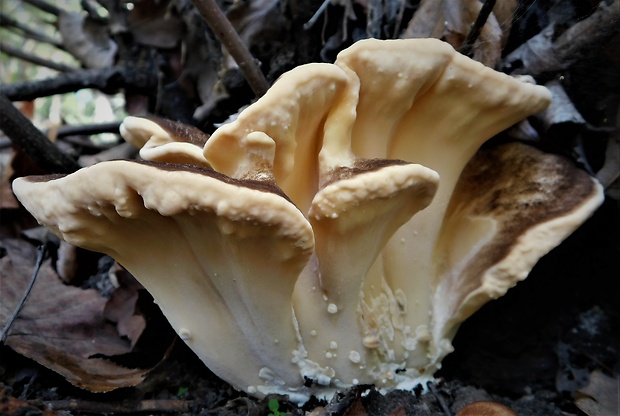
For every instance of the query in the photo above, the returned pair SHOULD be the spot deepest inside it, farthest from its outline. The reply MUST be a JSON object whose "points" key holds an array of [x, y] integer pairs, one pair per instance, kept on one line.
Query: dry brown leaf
{"points": [[61, 327], [610, 172], [556, 47], [257, 20], [122, 308], [450, 20], [11, 406], [356, 408], [152, 23], [7, 199], [601, 397], [203, 65], [86, 39], [504, 12]]}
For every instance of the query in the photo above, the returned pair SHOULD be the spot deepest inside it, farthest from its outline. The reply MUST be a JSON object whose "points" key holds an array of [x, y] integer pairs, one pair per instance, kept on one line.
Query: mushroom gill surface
{"points": [[340, 229]]}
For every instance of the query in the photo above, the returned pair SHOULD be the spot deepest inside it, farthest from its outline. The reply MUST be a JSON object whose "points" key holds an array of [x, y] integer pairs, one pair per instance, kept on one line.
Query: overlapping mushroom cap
{"points": [[340, 229]]}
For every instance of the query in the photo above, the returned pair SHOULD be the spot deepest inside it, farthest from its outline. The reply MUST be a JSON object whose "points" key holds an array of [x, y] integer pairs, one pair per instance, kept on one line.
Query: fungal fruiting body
{"points": [[340, 229]]}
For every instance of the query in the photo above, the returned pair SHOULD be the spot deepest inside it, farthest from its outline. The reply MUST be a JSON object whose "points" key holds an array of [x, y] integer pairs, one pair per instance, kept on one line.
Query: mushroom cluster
{"points": [[341, 228]]}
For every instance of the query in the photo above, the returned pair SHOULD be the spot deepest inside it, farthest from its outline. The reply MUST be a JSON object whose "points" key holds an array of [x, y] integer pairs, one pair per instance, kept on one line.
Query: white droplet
{"points": [[332, 308], [184, 334], [371, 341], [355, 357]]}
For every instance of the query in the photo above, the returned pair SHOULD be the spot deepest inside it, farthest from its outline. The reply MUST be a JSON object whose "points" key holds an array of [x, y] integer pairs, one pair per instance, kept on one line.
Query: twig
{"points": [[476, 28], [316, 15], [87, 129], [28, 32], [92, 12], [399, 19], [41, 255], [46, 7], [440, 400], [144, 406], [34, 143], [105, 79], [374, 18], [66, 132], [225, 32], [17, 53]]}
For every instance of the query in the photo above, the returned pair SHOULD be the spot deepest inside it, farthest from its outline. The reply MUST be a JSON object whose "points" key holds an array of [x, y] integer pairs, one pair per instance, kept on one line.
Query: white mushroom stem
{"points": [[352, 219], [219, 256]]}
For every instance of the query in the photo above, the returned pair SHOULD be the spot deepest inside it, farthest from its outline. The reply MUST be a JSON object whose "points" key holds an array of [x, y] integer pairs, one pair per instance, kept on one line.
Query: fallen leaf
{"points": [[87, 39], [7, 199], [61, 327], [601, 397], [11, 406], [153, 23], [122, 307], [450, 20]]}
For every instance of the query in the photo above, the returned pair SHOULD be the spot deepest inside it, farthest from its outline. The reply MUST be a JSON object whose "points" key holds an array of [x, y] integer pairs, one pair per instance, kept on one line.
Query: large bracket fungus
{"points": [[341, 228]]}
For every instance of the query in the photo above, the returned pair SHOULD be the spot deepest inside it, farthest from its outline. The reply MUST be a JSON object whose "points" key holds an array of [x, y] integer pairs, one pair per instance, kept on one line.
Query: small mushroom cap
{"points": [[486, 409], [291, 113], [161, 140]]}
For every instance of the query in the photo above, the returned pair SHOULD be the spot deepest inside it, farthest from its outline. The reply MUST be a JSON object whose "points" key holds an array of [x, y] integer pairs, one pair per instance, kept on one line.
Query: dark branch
{"points": [[28, 32], [30, 140], [476, 28], [18, 53], [106, 80], [225, 32], [46, 7], [144, 406], [88, 129]]}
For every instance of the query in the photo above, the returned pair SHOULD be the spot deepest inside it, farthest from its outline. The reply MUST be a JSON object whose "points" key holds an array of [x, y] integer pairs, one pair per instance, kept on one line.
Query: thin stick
{"points": [[46, 7], [225, 32], [476, 28], [9, 22], [42, 250], [144, 406], [18, 53], [88, 129], [103, 79], [315, 17], [440, 400]]}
